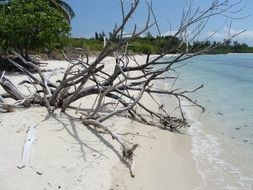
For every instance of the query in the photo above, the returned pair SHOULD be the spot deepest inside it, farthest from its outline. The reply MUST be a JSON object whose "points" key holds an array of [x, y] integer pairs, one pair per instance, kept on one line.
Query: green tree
{"points": [[61, 5], [31, 24]]}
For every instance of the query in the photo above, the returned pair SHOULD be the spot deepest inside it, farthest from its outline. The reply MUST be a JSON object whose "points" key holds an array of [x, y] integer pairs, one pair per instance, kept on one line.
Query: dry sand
{"points": [[67, 155]]}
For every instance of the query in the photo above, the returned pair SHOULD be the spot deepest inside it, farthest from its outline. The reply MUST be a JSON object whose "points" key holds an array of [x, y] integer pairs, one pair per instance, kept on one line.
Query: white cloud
{"points": [[248, 34], [244, 37], [169, 33]]}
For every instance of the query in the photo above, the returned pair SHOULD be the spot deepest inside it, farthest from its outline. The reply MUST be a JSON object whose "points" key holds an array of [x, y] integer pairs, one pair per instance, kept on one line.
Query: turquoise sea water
{"points": [[222, 137]]}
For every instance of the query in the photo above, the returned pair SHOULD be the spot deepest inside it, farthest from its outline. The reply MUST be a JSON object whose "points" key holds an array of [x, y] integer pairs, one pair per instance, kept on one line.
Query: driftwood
{"points": [[1, 99], [6, 107], [120, 91], [10, 88], [27, 148]]}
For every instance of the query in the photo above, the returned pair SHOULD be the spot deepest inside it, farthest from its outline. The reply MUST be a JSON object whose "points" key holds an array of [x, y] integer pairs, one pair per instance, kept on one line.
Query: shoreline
{"points": [[69, 156], [163, 161], [222, 135]]}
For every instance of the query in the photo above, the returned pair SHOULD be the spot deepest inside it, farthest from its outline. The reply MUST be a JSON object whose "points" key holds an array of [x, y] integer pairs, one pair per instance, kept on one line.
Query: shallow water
{"points": [[222, 137]]}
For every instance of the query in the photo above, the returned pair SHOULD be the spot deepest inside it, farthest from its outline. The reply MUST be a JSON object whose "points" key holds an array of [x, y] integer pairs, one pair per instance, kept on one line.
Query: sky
{"points": [[102, 15]]}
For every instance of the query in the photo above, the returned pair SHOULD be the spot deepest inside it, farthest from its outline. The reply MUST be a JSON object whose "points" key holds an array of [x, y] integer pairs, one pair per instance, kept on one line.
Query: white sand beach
{"points": [[68, 155]]}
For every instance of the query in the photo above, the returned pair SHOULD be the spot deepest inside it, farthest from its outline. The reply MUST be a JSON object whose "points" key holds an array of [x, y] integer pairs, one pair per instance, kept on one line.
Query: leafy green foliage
{"points": [[91, 45], [223, 47], [61, 5], [31, 24], [159, 44], [144, 45]]}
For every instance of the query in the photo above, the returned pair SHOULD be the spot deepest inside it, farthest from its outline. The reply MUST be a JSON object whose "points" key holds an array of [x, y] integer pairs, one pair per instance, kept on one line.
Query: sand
{"points": [[67, 155]]}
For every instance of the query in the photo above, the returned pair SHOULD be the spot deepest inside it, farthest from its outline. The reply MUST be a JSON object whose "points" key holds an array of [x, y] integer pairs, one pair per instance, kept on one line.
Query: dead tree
{"points": [[121, 91]]}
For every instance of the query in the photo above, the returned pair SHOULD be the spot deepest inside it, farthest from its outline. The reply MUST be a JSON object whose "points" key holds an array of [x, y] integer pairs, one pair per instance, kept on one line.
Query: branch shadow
{"points": [[73, 132], [109, 145]]}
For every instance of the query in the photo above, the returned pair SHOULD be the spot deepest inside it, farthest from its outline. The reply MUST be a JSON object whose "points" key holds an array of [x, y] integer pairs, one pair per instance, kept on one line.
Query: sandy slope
{"points": [[67, 155], [163, 161]]}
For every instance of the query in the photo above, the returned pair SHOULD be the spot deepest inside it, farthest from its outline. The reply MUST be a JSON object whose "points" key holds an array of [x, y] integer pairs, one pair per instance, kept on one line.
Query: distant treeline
{"points": [[159, 44]]}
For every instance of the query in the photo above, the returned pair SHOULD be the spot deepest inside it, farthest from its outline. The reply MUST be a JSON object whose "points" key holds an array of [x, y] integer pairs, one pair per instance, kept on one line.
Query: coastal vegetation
{"points": [[49, 29], [118, 91], [30, 26], [58, 4], [156, 45]]}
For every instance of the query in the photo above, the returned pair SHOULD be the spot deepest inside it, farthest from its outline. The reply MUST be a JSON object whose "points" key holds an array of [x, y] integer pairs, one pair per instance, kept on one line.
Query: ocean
{"points": [[222, 136]]}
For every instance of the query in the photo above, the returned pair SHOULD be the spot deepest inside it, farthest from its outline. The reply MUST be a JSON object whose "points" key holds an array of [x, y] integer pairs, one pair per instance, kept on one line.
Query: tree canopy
{"points": [[31, 24], [63, 6]]}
